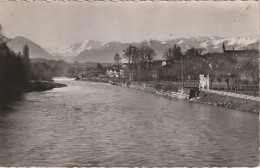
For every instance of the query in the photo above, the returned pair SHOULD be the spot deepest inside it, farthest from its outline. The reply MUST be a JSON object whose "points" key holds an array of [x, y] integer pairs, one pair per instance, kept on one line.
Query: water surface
{"points": [[97, 124]]}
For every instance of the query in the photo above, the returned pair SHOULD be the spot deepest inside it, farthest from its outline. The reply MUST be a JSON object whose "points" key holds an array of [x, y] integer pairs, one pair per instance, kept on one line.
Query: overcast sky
{"points": [[56, 24]]}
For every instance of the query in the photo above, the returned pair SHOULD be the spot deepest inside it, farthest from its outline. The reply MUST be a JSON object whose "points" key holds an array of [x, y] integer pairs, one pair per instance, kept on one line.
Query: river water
{"points": [[97, 124]]}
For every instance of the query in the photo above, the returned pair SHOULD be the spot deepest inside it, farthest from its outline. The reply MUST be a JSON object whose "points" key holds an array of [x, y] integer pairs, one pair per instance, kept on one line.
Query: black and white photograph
{"points": [[129, 83]]}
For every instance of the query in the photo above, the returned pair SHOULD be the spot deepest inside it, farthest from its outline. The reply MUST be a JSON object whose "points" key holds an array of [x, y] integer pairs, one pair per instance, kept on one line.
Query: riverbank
{"points": [[43, 86], [206, 98], [228, 102], [15, 93], [169, 90]]}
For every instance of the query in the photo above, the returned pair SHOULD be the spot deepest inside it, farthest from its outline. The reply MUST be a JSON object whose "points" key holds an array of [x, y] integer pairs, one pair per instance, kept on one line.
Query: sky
{"points": [[59, 24]]}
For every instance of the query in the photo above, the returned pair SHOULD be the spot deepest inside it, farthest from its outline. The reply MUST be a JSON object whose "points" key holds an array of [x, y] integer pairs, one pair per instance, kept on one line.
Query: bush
{"points": [[41, 71], [169, 87], [158, 86]]}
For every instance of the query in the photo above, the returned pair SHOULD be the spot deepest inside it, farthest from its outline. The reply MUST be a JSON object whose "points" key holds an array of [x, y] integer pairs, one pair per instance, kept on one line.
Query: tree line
{"points": [[16, 70], [218, 65], [14, 73], [139, 60]]}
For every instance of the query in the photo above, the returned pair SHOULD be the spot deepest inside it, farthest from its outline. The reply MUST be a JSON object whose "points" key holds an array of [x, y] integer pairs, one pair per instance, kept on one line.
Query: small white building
{"points": [[110, 73], [204, 82]]}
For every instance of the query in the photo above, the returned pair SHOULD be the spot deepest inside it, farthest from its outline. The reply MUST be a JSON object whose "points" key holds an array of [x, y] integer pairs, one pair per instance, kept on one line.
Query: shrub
{"points": [[158, 86]]}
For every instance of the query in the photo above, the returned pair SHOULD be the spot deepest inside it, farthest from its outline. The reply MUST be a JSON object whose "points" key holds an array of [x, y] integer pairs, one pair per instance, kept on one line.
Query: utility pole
{"points": [[182, 73], [139, 68]]}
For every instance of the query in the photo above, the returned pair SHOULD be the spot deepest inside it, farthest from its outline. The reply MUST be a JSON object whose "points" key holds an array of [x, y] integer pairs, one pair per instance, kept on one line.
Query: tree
{"points": [[1, 36], [117, 59], [42, 71], [128, 53], [131, 53], [173, 54], [26, 52], [3, 39], [99, 67], [150, 54], [193, 53], [143, 58], [139, 59], [13, 73]]}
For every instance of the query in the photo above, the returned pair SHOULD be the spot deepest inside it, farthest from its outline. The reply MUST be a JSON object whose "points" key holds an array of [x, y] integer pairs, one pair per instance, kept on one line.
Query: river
{"points": [[97, 124]]}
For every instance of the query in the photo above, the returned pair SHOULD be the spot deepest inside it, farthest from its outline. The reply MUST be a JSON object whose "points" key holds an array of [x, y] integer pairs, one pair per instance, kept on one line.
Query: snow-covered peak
{"points": [[75, 49], [241, 41], [217, 42], [203, 44], [163, 42], [180, 41]]}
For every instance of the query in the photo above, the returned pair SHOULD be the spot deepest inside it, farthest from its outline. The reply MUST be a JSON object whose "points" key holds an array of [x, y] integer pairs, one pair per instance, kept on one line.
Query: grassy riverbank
{"points": [[211, 98], [15, 93], [43, 86], [228, 102]]}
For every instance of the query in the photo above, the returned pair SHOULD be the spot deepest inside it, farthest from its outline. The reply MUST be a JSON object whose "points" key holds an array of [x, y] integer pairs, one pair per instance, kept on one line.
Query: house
{"points": [[154, 64], [128, 69], [112, 74], [233, 51], [241, 55], [87, 74], [246, 77]]}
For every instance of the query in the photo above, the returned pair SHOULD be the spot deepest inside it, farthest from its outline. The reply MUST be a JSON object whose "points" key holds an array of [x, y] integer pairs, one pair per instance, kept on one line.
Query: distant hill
{"points": [[36, 51]]}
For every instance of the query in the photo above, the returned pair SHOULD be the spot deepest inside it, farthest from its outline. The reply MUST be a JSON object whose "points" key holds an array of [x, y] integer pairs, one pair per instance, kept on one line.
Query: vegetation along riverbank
{"points": [[228, 102], [207, 98], [18, 75], [43, 85]]}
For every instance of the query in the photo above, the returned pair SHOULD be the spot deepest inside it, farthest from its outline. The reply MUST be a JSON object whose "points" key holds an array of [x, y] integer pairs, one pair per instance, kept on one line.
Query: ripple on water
{"points": [[93, 124]]}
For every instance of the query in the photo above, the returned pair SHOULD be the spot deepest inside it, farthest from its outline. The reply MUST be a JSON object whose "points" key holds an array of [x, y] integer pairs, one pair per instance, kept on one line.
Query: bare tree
{"points": [[1, 35], [150, 54], [26, 52], [117, 59], [128, 54]]}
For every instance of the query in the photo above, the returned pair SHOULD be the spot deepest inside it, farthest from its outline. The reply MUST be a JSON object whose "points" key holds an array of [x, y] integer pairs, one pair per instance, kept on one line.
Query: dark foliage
{"points": [[14, 73], [140, 60], [41, 71], [220, 66]]}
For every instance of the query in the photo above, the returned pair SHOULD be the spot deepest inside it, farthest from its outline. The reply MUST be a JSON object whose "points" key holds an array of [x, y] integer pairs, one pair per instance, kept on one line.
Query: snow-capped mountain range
{"points": [[94, 51], [74, 49]]}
